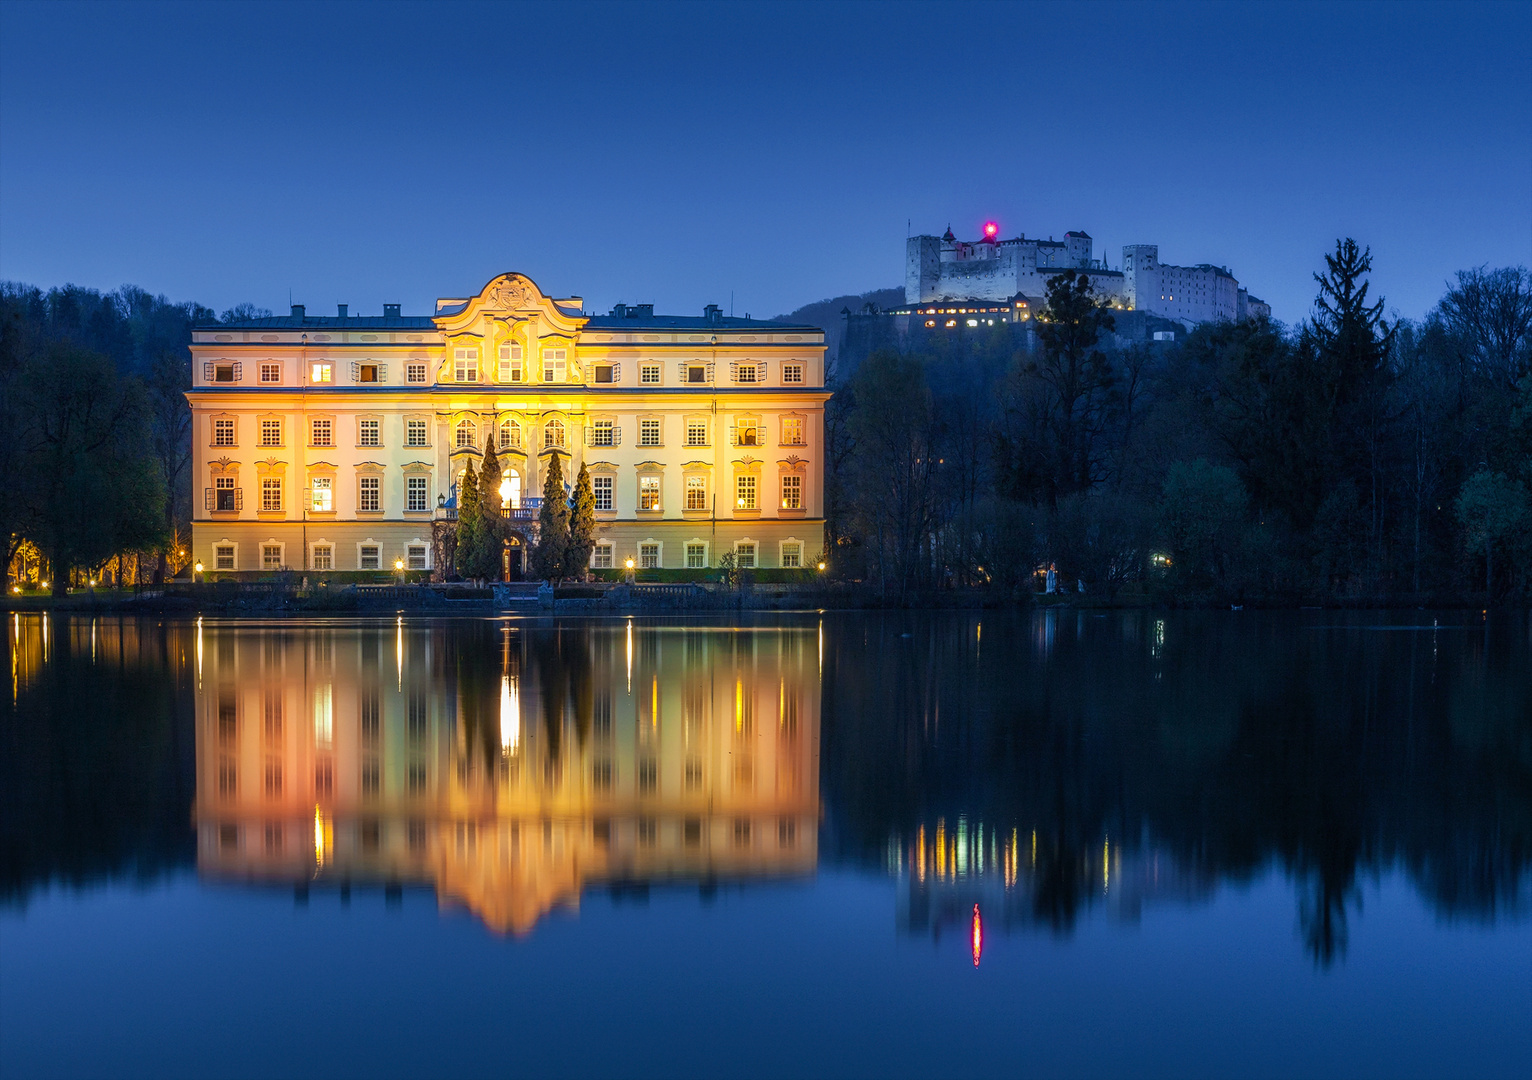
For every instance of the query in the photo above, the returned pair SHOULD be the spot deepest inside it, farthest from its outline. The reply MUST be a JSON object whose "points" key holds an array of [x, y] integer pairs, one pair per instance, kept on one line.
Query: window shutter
{"points": [[589, 436], [210, 502], [760, 372], [680, 372], [710, 371], [207, 372], [239, 498], [382, 373], [734, 371], [356, 371], [616, 434], [238, 368]]}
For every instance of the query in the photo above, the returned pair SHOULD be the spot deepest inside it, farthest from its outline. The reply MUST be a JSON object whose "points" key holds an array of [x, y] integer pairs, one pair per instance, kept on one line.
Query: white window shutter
{"points": [[356, 371]]}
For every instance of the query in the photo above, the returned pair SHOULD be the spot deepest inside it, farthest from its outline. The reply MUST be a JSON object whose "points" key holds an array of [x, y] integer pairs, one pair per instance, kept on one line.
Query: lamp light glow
{"points": [[398, 564], [990, 228]]}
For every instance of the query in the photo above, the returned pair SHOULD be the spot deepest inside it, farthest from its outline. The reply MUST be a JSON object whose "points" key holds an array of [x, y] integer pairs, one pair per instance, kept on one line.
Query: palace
{"points": [[334, 443]]}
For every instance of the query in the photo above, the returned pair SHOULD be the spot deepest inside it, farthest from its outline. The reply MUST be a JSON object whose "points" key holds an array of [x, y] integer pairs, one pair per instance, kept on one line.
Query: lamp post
{"points": [[630, 576], [196, 569], [399, 571]]}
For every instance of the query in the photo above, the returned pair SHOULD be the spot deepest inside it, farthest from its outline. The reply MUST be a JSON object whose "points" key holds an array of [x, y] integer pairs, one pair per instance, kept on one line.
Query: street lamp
{"points": [[629, 575], [821, 567], [196, 569]]}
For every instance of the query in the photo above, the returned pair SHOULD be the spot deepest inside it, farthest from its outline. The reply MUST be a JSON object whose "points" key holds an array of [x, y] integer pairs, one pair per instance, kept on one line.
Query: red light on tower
{"points": [[991, 230]]}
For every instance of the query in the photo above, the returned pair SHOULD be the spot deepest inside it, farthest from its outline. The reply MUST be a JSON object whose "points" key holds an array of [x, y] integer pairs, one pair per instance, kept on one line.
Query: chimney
{"points": [[641, 311], [391, 311], [342, 308], [620, 311], [712, 315], [297, 311]]}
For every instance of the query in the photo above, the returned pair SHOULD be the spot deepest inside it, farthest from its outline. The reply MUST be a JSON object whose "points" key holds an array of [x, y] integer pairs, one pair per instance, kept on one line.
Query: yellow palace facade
{"points": [[334, 443]]}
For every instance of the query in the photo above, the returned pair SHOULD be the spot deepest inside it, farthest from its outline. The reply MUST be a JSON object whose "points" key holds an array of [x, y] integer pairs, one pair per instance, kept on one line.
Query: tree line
{"points": [[1355, 456]]}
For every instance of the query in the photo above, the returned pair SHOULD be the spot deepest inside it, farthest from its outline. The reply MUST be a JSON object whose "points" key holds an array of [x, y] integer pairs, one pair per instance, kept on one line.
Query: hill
{"points": [[827, 313]]}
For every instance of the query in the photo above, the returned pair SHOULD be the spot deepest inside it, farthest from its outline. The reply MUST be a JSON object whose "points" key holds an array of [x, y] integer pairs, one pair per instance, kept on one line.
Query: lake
{"points": [[822, 843]]}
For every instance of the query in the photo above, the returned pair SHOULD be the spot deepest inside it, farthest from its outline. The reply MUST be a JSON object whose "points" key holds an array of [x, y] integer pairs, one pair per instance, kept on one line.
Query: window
{"points": [[319, 372], [792, 555], [467, 436], [271, 493], [601, 486], [606, 373], [322, 494], [648, 433], [271, 433], [696, 373], [649, 556], [324, 557], [792, 431], [367, 373], [696, 433], [415, 373], [510, 363], [465, 365], [271, 373], [415, 494], [601, 432], [555, 366], [368, 495], [367, 433], [744, 556], [696, 493], [745, 373], [510, 434], [223, 557], [696, 556], [322, 432], [224, 373], [792, 373], [602, 560], [792, 492], [748, 432], [414, 433], [223, 432], [553, 432], [369, 557], [416, 557], [649, 374], [744, 493], [649, 493], [271, 556]]}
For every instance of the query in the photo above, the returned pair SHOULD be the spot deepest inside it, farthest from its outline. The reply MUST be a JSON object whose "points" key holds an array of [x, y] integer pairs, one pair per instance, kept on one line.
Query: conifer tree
{"points": [[470, 525], [489, 482], [553, 524], [582, 527]]}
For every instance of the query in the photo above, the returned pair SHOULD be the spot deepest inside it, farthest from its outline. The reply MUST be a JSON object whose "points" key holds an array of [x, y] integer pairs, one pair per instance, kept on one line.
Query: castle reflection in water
{"points": [[509, 766]]}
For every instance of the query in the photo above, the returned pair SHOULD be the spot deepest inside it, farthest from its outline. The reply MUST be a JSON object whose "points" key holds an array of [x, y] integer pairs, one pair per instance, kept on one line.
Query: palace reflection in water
{"points": [[510, 767]]}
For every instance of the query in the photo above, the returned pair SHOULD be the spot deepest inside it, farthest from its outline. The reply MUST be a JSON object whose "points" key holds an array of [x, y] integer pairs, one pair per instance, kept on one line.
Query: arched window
{"points": [[553, 432], [510, 434], [510, 480], [466, 435]]}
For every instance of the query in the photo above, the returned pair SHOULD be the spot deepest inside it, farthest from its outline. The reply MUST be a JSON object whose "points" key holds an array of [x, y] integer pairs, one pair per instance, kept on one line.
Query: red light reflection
{"points": [[978, 935]]}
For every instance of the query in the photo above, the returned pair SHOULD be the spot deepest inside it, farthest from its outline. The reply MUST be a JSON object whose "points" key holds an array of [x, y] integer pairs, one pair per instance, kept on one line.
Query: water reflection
{"points": [[511, 767]]}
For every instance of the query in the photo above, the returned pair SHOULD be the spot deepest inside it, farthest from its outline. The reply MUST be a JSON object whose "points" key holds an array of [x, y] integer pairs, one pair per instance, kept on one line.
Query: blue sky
{"points": [[363, 154]]}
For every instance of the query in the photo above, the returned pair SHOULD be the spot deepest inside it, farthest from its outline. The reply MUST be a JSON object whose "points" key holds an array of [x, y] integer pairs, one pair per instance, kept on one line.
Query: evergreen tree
{"points": [[582, 527], [471, 539], [489, 481], [495, 527], [553, 524]]}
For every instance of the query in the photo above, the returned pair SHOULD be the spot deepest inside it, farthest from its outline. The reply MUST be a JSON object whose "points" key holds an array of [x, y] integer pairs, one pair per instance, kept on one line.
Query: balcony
{"points": [[527, 511]]}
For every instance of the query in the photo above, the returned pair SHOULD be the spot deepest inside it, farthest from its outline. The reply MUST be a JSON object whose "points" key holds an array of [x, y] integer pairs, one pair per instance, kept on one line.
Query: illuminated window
{"points": [[696, 493], [465, 365], [467, 434], [744, 556], [553, 432], [792, 373], [415, 496], [223, 432], [271, 373], [649, 556], [369, 493], [510, 434], [555, 366], [415, 373], [324, 557], [415, 433], [792, 431], [223, 558], [601, 487], [271, 493], [510, 363], [649, 493], [369, 557], [319, 372], [415, 557], [271, 556], [696, 433], [792, 492], [368, 433], [367, 373], [271, 433], [792, 555], [696, 556], [602, 558], [744, 493], [322, 433], [323, 494], [748, 432], [649, 374]]}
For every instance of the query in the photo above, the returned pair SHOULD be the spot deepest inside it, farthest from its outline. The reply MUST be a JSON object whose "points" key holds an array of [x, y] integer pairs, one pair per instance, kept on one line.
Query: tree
{"points": [[582, 527], [552, 524], [473, 540], [1202, 515], [1494, 513]]}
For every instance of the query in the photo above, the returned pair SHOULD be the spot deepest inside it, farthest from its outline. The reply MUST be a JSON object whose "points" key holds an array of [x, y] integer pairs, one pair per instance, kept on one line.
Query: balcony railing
{"points": [[527, 511]]}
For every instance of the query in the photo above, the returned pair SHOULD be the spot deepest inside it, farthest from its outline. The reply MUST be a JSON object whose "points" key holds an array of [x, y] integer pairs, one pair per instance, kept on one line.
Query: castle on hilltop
{"points": [[943, 270]]}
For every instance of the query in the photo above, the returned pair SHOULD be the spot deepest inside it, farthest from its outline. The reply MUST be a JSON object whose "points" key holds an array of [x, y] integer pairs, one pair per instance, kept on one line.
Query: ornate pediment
{"points": [[516, 298]]}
